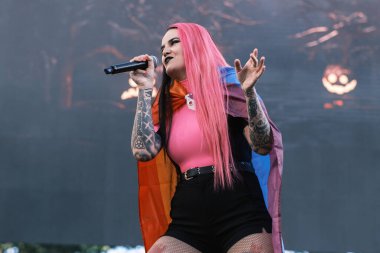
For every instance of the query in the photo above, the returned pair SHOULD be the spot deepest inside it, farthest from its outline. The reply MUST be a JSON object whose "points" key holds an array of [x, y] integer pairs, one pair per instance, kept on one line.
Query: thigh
{"points": [[240, 212], [254, 243], [168, 244]]}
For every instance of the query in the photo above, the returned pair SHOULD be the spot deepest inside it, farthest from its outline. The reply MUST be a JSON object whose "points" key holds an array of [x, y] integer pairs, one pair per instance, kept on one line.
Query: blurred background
{"points": [[67, 175]]}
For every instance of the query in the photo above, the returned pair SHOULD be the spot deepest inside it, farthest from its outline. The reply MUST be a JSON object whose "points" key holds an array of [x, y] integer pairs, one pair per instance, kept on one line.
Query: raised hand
{"points": [[251, 72]]}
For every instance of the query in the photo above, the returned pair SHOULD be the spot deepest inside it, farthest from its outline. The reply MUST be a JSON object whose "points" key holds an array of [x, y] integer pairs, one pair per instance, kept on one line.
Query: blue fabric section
{"points": [[261, 165], [228, 74]]}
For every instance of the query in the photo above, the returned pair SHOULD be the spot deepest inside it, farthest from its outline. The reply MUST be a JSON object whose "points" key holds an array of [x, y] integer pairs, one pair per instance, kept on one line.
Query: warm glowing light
{"points": [[133, 92], [132, 83], [332, 78], [319, 29], [339, 103], [335, 103], [340, 90], [130, 93], [336, 79], [322, 39], [343, 79], [328, 106], [154, 93]]}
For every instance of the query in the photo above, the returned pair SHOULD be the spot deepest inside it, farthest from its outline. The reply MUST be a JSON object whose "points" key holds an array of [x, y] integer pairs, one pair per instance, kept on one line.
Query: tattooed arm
{"points": [[258, 132], [145, 143], [258, 129]]}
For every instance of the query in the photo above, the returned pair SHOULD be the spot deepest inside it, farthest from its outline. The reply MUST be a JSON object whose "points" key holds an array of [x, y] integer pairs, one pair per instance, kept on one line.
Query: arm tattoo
{"points": [[145, 143], [259, 127]]}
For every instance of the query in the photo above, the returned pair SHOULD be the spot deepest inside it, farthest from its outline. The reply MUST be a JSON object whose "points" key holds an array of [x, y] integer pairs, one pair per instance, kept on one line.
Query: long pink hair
{"points": [[203, 60]]}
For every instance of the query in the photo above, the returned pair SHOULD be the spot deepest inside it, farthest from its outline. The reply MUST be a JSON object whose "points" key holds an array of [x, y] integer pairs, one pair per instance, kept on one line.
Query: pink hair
{"points": [[203, 60]]}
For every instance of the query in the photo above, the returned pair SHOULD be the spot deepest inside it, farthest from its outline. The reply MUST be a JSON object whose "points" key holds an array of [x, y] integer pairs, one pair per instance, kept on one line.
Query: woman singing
{"points": [[213, 128]]}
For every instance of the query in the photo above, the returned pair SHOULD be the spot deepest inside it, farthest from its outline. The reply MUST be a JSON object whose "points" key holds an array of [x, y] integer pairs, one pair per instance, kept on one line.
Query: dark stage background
{"points": [[66, 170]]}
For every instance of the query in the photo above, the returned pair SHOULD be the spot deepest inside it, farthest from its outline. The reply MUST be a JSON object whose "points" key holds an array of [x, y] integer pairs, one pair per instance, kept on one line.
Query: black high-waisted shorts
{"points": [[213, 221]]}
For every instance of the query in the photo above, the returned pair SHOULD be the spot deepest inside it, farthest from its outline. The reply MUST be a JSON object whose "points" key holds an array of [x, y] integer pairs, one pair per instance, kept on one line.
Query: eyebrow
{"points": [[162, 47]]}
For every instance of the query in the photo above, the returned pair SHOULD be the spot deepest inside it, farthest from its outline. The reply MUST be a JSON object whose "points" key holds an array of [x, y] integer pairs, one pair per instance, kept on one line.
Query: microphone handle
{"points": [[125, 67]]}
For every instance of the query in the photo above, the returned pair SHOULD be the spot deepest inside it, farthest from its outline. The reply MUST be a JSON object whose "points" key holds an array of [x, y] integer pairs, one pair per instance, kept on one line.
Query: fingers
{"points": [[135, 73], [143, 57], [261, 71], [237, 65], [138, 72], [261, 67], [261, 63], [151, 62], [149, 59], [253, 57]]}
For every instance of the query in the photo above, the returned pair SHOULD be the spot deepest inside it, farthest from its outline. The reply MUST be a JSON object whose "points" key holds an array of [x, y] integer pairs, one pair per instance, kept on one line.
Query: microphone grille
{"points": [[155, 60]]}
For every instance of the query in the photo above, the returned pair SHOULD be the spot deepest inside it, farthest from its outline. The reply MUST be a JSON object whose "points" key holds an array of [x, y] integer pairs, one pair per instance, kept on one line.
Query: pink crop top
{"points": [[186, 146]]}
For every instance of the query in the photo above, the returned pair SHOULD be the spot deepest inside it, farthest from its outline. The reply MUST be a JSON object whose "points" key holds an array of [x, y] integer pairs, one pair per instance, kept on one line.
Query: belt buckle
{"points": [[189, 178], [186, 177]]}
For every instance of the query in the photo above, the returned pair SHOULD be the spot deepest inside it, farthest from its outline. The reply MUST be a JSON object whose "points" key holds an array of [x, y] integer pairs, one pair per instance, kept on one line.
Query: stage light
{"points": [[133, 92], [337, 79]]}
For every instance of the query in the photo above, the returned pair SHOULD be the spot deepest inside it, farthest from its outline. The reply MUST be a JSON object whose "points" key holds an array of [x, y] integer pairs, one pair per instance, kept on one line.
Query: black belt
{"points": [[194, 172]]}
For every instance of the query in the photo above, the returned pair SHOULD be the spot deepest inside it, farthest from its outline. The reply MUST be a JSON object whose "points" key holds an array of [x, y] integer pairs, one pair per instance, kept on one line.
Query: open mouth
{"points": [[167, 59]]}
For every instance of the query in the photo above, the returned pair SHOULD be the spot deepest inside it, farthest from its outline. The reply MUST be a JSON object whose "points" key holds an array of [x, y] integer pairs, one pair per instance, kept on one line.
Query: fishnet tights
{"points": [[167, 244], [255, 243]]}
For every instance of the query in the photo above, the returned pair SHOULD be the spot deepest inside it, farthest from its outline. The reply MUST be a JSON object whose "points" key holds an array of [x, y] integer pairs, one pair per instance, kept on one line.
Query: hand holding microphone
{"points": [[142, 68]]}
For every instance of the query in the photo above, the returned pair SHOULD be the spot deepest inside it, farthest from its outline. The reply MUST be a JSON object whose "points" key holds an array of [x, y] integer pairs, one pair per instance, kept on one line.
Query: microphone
{"points": [[129, 66]]}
